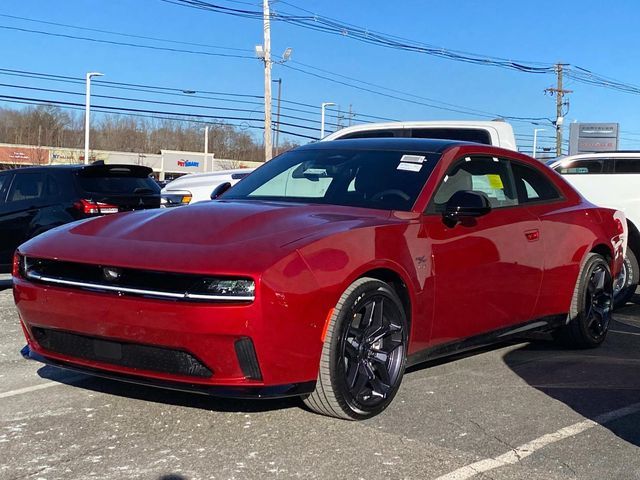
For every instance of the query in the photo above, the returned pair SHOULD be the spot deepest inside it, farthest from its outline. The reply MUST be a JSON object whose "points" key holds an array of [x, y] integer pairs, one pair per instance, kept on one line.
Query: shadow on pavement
{"points": [[591, 382], [5, 284], [165, 396]]}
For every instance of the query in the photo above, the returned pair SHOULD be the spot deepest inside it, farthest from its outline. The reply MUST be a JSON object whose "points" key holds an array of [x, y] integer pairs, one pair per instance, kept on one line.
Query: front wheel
{"points": [[364, 353], [591, 305]]}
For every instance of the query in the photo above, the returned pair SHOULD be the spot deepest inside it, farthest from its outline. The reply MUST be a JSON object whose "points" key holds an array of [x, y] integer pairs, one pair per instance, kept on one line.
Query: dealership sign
{"points": [[24, 156], [593, 137]]}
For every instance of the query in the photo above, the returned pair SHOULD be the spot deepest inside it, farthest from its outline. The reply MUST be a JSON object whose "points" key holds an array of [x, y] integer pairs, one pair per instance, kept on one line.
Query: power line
{"points": [[121, 34], [365, 35], [125, 44]]}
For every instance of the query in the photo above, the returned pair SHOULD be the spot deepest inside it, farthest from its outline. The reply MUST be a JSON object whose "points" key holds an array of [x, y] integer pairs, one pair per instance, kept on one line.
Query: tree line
{"points": [[50, 126]]}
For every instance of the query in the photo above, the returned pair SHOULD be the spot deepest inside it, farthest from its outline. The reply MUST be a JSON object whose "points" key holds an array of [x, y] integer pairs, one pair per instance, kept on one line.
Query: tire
{"points": [[591, 306], [364, 353], [625, 285]]}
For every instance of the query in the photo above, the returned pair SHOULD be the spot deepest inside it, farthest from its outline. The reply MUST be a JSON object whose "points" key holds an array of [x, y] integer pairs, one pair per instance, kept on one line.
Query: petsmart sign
{"points": [[183, 162]]}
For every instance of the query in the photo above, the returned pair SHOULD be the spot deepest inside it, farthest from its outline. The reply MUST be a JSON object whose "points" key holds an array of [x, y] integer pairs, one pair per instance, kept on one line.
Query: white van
{"points": [[196, 187], [495, 132]]}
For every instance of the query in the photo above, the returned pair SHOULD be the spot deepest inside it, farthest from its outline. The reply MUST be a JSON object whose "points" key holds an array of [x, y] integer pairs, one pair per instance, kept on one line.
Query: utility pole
{"points": [[350, 114], [268, 147], [277, 142], [559, 92]]}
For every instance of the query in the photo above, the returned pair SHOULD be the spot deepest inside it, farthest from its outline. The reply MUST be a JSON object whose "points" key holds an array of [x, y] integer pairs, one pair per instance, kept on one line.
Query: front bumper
{"points": [[241, 392], [244, 347]]}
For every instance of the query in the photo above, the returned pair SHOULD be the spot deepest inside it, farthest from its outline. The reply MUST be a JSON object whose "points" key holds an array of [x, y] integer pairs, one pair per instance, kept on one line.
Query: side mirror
{"points": [[465, 203], [220, 189]]}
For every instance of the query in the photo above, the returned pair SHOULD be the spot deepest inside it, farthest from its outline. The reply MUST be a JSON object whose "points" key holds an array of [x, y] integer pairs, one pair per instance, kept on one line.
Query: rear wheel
{"points": [[591, 305], [364, 353], [626, 283]]}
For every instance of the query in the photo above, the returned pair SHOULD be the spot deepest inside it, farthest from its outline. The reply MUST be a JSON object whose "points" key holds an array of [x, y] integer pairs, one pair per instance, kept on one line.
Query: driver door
{"points": [[488, 269]]}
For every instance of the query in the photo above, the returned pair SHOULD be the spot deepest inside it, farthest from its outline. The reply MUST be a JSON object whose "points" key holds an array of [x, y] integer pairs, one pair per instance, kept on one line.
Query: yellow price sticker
{"points": [[495, 182]]}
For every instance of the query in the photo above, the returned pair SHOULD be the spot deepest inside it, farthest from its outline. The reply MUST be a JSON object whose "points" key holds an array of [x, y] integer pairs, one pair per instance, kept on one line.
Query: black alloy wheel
{"points": [[591, 305], [364, 354], [598, 302], [372, 351]]}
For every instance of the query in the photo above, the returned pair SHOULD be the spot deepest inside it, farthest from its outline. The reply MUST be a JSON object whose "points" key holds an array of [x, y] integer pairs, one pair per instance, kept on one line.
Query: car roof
{"points": [[409, 144], [72, 167]]}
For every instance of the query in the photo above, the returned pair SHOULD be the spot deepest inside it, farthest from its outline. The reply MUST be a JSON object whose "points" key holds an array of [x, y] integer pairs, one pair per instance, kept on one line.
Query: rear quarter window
{"points": [[627, 165]]}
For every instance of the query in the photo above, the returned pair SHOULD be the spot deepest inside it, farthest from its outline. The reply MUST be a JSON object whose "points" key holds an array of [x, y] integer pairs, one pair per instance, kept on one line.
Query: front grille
{"points": [[125, 281], [132, 355]]}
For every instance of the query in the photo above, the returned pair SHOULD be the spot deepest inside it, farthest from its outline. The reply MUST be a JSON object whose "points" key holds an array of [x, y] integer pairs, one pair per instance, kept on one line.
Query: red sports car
{"points": [[325, 273]]}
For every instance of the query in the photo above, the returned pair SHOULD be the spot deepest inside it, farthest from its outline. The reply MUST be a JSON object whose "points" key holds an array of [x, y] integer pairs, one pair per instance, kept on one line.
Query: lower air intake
{"points": [[131, 355], [247, 358]]}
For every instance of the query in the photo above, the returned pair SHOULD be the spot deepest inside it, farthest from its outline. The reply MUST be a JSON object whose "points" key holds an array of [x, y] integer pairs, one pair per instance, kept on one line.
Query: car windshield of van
{"points": [[381, 179]]}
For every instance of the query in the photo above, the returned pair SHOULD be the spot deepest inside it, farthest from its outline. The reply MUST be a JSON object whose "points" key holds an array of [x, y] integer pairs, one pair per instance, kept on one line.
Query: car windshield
{"points": [[381, 179]]}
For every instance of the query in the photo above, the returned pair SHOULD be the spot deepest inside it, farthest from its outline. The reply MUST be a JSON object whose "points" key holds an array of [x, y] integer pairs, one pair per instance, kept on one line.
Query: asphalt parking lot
{"points": [[526, 410]]}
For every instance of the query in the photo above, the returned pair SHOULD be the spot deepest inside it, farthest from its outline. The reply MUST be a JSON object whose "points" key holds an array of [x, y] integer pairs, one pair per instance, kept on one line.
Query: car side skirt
{"points": [[244, 392], [485, 339]]}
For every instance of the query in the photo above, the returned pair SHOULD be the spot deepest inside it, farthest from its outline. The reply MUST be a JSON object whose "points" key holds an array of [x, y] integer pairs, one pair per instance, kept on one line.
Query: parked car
{"points": [[34, 200], [611, 180], [496, 132], [325, 273], [197, 187]]}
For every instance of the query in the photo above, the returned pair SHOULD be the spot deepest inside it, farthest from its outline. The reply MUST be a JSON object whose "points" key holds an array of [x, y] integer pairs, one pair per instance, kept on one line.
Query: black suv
{"points": [[36, 199]]}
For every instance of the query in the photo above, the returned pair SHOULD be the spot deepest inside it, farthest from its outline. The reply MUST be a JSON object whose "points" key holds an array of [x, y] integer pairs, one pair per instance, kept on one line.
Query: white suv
{"points": [[611, 180]]}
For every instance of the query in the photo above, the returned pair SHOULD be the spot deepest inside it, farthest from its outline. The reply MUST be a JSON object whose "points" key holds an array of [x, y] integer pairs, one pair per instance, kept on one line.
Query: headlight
{"points": [[239, 289]]}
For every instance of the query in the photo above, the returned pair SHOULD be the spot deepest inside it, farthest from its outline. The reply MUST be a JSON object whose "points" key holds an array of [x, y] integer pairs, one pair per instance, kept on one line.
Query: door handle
{"points": [[532, 235]]}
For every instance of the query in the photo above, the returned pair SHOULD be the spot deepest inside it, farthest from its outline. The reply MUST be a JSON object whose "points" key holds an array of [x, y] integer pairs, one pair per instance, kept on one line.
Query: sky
{"points": [[601, 37]]}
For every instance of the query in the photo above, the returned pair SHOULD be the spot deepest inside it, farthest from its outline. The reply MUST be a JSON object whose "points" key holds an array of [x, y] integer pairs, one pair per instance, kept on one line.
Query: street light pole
{"points": [[87, 113], [535, 140], [323, 107], [206, 146]]}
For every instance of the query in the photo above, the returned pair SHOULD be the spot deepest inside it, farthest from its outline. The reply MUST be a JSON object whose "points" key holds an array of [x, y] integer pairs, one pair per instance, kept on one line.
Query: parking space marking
{"points": [[523, 451], [35, 388], [626, 333]]}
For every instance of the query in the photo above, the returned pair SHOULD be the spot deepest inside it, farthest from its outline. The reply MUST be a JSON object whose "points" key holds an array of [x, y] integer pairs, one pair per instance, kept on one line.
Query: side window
{"points": [[26, 186], [53, 188], [532, 185], [374, 134], [463, 134], [627, 165], [487, 175], [583, 167], [4, 184]]}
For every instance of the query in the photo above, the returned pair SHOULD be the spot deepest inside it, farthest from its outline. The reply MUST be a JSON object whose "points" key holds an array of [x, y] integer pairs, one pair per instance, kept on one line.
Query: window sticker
{"points": [[316, 171], [410, 167], [412, 158], [495, 181]]}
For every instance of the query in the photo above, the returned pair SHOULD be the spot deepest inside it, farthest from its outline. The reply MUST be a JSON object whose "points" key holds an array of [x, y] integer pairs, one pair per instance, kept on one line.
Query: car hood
{"points": [[237, 235]]}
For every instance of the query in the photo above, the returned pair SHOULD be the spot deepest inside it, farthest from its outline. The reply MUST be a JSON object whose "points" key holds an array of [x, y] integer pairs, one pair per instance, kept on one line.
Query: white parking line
{"points": [[627, 333], [523, 451], [35, 388]]}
